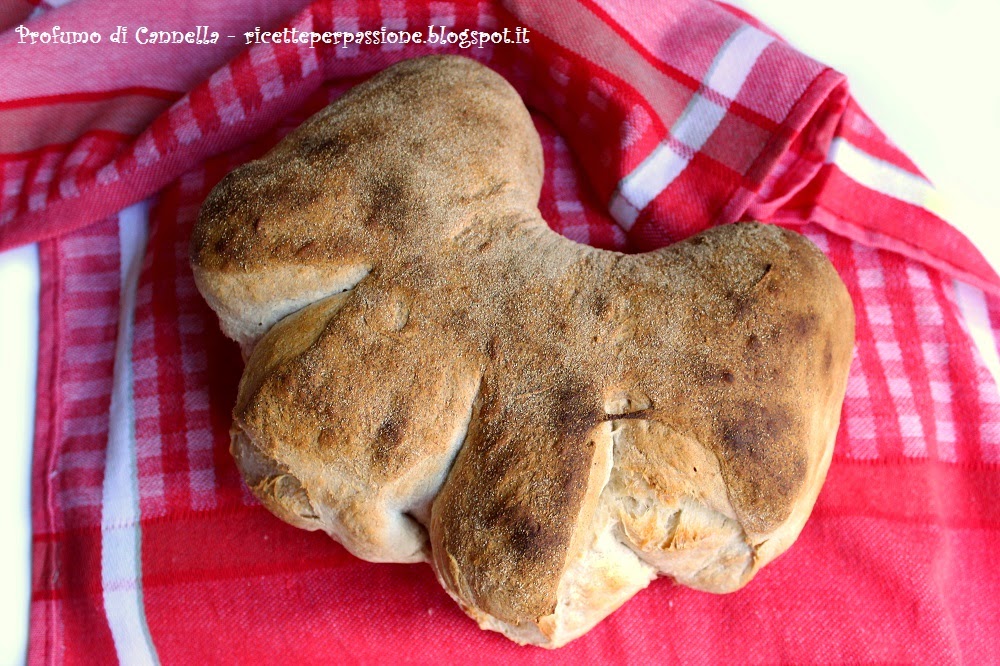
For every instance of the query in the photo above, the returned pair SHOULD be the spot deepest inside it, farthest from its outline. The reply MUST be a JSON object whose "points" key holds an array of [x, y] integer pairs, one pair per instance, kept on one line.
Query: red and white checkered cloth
{"points": [[658, 120]]}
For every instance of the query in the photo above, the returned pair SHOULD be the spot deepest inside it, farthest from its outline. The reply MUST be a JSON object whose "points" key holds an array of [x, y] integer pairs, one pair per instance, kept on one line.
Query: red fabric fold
{"points": [[616, 89], [657, 121]]}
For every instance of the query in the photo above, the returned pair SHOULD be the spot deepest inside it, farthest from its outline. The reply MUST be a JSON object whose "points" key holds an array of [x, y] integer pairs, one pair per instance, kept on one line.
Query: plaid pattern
{"points": [[83, 283], [178, 423], [670, 135], [646, 139], [915, 375], [902, 422]]}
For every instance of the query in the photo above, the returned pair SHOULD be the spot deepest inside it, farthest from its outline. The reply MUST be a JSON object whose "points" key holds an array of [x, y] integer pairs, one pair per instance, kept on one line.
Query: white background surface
{"points": [[928, 73], [18, 344], [924, 70]]}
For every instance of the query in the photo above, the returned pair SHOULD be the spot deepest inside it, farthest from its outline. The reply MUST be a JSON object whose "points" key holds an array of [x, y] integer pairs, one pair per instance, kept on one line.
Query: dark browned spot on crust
{"points": [[391, 205], [571, 477], [767, 269], [528, 521], [496, 454], [710, 373], [599, 305], [804, 325], [745, 301], [758, 446], [418, 146], [743, 304], [573, 409], [490, 348], [323, 147], [388, 437], [307, 250], [828, 356], [753, 431], [457, 320], [529, 538], [223, 243]]}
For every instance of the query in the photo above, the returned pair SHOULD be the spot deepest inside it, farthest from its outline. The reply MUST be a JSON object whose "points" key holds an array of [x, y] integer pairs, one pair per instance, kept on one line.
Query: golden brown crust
{"points": [[548, 423]]}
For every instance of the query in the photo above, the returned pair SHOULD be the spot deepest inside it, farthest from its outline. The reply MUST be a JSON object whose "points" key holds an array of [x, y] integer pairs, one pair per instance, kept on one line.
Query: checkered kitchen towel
{"points": [[658, 120]]}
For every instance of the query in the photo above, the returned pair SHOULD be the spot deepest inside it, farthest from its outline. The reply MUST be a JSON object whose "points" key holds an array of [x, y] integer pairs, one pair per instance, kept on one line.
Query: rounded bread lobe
{"points": [[434, 374]]}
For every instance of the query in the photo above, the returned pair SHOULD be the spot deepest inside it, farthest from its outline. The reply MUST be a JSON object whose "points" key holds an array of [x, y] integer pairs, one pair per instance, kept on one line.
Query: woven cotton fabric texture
{"points": [[657, 121]]}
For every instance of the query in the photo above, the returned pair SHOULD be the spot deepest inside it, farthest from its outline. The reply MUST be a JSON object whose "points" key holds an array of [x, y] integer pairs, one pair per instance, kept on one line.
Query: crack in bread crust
{"points": [[459, 402]]}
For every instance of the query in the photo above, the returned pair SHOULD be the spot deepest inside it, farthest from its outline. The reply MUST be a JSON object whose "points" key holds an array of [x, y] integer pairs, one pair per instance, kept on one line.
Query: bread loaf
{"points": [[434, 375]]}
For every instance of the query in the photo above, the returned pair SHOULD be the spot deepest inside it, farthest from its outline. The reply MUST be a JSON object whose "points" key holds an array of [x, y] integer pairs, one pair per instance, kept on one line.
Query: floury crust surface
{"points": [[435, 375]]}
